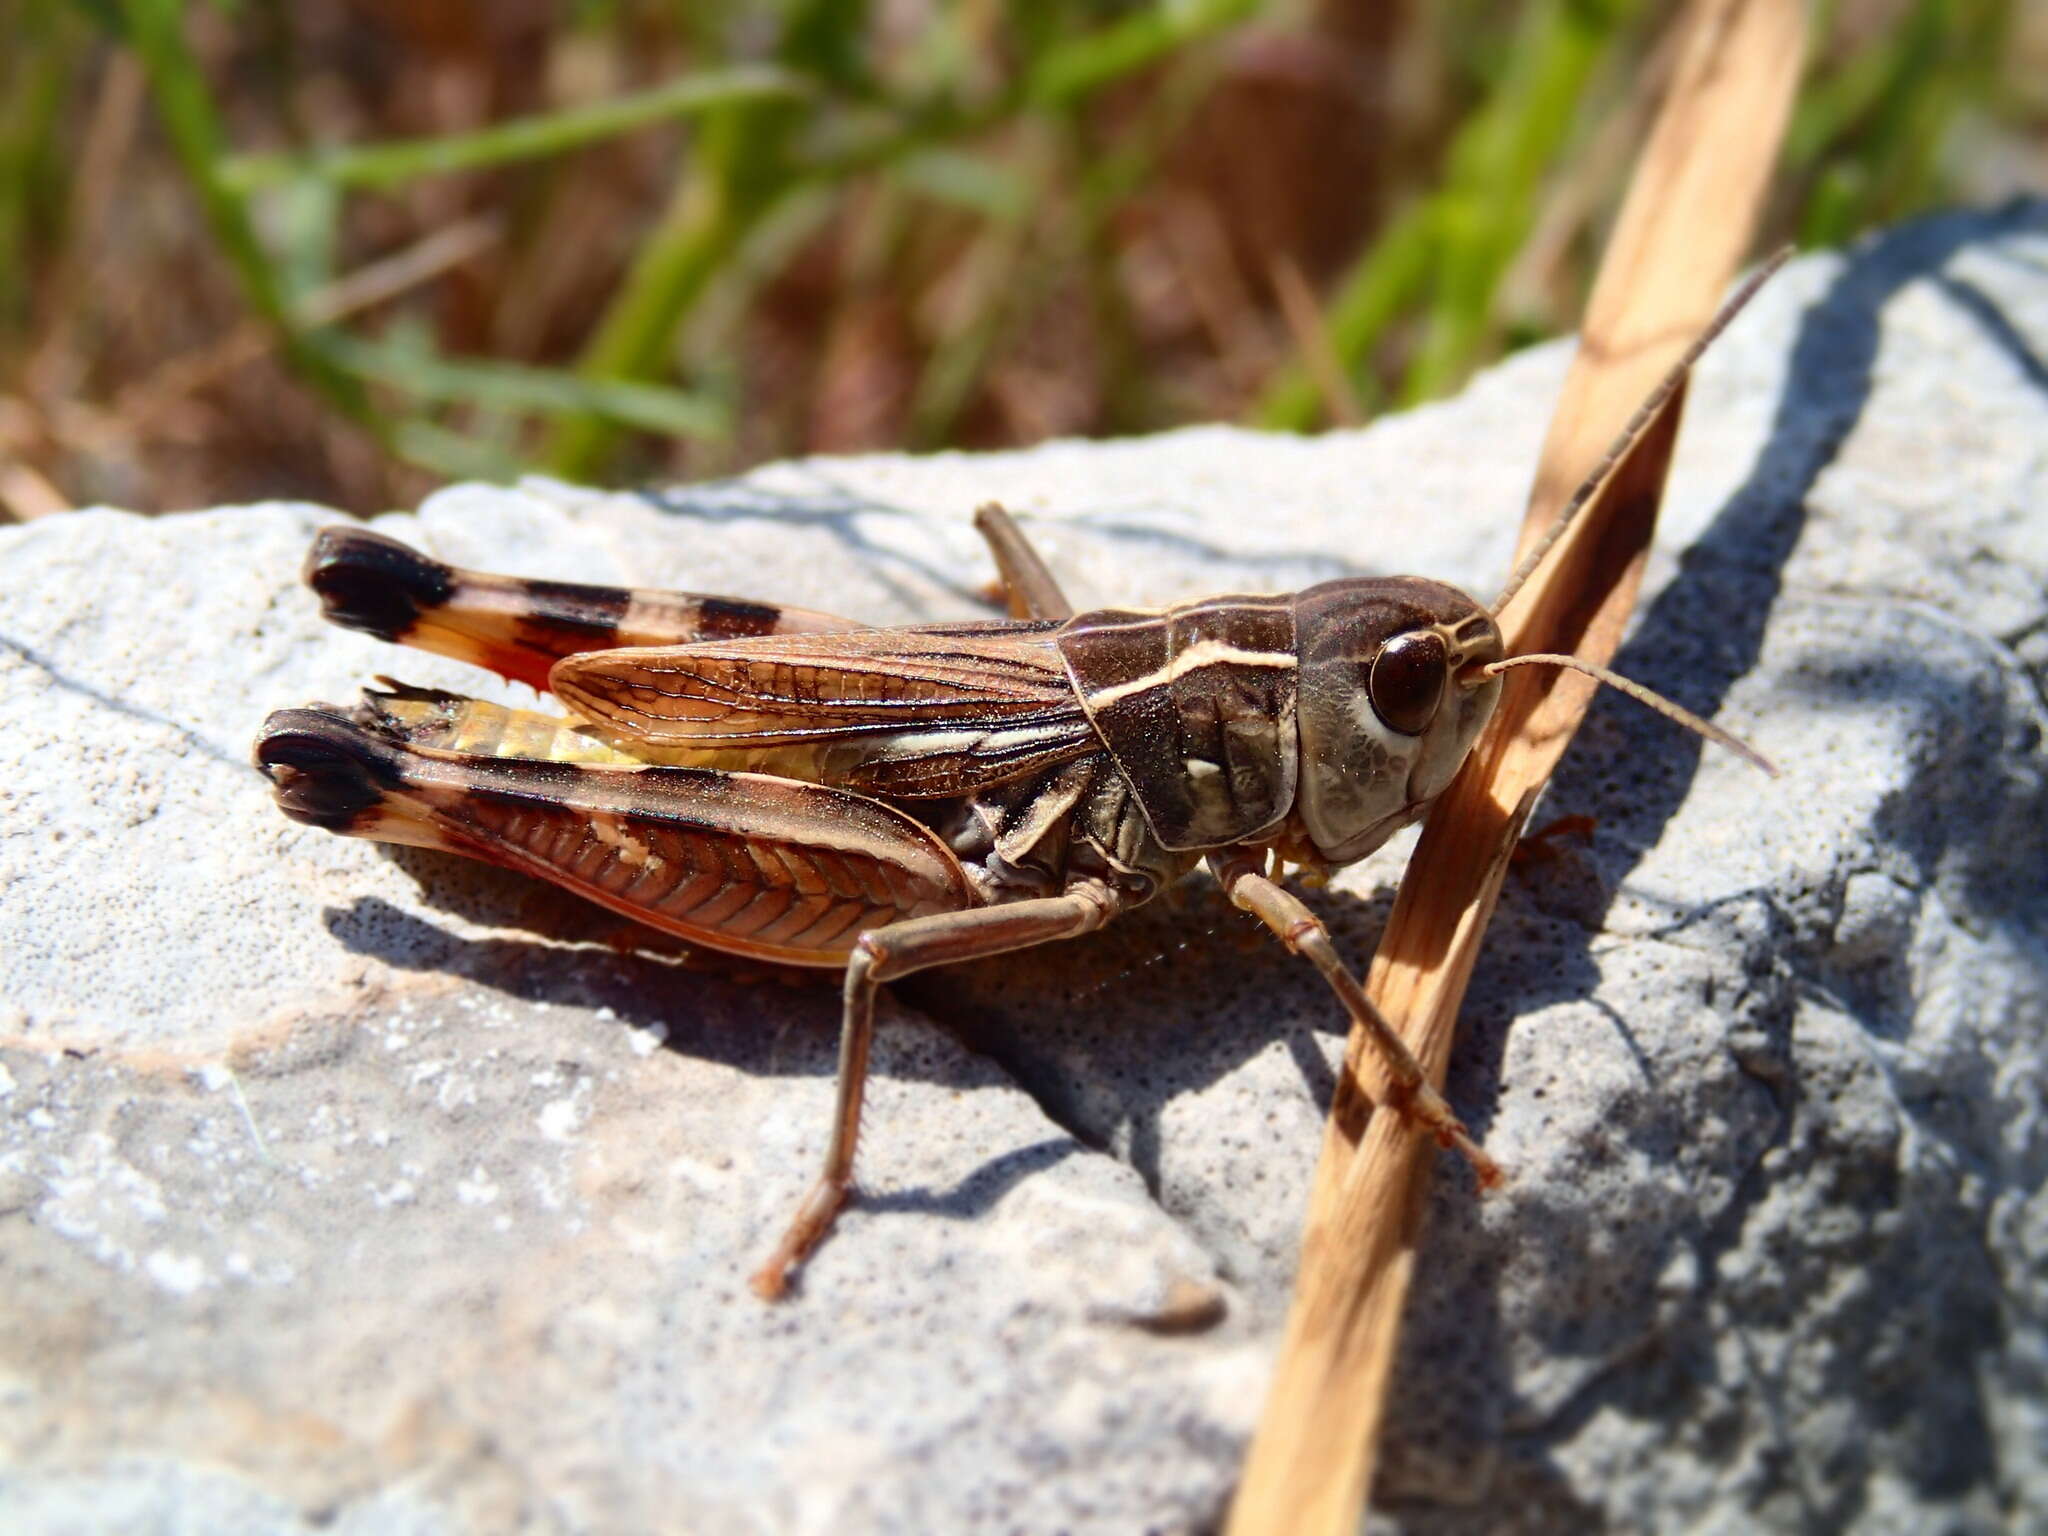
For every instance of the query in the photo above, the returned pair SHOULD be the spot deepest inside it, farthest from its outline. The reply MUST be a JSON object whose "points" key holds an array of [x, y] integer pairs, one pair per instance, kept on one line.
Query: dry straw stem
{"points": [[1688, 220]]}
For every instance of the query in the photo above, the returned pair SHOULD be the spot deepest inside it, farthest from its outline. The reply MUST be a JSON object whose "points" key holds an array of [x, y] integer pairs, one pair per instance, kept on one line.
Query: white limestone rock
{"points": [[369, 1191]]}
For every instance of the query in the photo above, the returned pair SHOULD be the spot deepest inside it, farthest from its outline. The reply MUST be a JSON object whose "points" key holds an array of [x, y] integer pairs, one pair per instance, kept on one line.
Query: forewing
{"points": [[928, 711]]}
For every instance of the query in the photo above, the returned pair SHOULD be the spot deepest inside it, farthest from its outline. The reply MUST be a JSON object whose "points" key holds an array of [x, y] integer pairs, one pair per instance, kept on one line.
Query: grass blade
{"points": [[383, 166], [155, 30], [415, 371], [1073, 70]]}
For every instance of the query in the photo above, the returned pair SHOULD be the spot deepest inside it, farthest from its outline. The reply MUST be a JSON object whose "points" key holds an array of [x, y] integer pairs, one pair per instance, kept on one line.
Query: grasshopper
{"points": [[790, 786]]}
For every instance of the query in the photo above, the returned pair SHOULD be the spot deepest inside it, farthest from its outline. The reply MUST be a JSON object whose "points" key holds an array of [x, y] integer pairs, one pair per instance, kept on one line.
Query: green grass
{"points": [[1008, 153]]}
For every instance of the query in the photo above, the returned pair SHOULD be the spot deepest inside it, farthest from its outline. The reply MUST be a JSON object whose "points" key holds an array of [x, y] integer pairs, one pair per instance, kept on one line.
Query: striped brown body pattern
{"points": [[1196, 704], [785, 784], [789, 786]]}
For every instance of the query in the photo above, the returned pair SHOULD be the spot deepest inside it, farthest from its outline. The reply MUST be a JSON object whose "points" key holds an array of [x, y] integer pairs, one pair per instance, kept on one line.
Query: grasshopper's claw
{"points": [[813, 1220]]}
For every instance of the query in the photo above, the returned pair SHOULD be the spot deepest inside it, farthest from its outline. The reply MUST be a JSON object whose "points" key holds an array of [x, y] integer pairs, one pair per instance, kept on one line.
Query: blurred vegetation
{"points": [[344, 249]]}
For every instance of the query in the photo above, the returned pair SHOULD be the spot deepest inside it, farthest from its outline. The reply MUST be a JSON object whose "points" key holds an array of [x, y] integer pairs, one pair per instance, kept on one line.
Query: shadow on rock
{"points": [[1702, 634], [981, 1190], [1705, 630], [1109, 1031], [838, 507]]}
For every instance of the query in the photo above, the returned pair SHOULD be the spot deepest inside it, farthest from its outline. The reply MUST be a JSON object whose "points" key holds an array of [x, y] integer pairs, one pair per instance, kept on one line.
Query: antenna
{"points": [[1639, 422], [1641, 695]]}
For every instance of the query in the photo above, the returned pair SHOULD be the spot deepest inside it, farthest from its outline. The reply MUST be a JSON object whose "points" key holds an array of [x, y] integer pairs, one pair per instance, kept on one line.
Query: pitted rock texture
{"points": [[370, 1191]]}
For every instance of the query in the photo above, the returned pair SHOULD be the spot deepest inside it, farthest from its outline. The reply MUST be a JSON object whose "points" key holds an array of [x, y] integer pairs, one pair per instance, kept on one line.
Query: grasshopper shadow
{"points": [[841, 512], [704, 1009], [841, 509], [1192, 1045], [1113, 1043], [563, 950]]}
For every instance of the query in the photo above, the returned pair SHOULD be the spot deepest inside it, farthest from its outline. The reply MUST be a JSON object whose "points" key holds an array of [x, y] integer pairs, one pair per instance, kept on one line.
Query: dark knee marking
{"points": [[1302, 933], [866, 958]]}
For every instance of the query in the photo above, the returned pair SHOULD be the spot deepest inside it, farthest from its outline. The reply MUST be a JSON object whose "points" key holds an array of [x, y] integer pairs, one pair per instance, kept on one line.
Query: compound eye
{"points": [[1407, 681]]}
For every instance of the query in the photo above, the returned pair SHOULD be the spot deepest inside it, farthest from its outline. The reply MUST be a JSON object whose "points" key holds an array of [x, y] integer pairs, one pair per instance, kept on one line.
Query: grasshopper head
{"points": [[1397, 676], [1391, 699]]}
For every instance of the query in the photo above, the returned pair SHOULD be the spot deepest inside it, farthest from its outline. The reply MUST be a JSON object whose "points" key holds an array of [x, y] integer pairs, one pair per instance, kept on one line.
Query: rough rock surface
{"points": [[379, 1192]]}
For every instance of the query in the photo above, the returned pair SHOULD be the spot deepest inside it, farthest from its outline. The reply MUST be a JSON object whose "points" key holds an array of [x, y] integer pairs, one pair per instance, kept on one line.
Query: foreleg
{"points": [[1303, 932]]}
